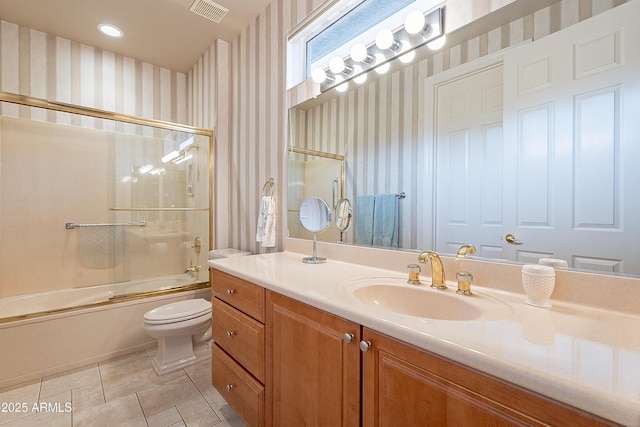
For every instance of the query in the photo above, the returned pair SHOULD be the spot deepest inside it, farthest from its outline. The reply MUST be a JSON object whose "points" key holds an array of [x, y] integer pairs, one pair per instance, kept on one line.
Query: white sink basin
{"points": [[395, 295]]}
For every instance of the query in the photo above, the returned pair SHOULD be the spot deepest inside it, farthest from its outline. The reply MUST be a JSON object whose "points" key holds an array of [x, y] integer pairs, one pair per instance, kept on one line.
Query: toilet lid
{"points": [[178, 311]]}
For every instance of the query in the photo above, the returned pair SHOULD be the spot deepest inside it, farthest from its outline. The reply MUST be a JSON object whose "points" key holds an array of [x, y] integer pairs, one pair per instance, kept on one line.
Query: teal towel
{"points": [[385, 221], [364, 220]]}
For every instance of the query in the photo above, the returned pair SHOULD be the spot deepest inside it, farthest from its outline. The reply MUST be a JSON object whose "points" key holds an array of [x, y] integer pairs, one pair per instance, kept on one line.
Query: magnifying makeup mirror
{"points": [[315, 217], [343, 214]]}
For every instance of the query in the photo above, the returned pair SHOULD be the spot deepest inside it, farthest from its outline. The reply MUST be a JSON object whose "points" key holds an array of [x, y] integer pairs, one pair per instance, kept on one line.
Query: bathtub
{"points": [[45, 302], [22, 305], [106, 322], [149, 285]]}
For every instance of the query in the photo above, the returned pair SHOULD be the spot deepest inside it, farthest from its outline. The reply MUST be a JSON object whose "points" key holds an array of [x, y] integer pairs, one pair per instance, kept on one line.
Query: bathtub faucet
{"points": [[191, 270]]}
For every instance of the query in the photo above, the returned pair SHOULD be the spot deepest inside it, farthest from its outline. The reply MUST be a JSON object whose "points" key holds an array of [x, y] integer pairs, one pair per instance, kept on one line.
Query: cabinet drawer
{"points": [[243, 295], [237, 387], [240, 336]]}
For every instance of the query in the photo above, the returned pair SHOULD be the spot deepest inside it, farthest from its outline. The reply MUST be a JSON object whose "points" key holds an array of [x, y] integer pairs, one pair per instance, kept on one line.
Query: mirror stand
{"points": [[315, 216], [314, 258]]}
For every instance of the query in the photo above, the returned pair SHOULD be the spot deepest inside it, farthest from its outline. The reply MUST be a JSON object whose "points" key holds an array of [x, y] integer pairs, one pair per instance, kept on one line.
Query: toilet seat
{"points": [[178, 312]]}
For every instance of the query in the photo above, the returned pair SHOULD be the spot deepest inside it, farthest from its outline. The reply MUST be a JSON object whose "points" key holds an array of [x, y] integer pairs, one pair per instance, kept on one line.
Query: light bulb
{"points": [[336, 65], [318, 75], [410, 55], [414, 22], [341, 87], [436, 44], [385, 40], [359, 53], [362, 77], [381, 69]]}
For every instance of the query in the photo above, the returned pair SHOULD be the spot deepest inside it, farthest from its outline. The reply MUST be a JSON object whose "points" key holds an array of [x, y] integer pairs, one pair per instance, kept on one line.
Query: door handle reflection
{"points": [[510, 238]]}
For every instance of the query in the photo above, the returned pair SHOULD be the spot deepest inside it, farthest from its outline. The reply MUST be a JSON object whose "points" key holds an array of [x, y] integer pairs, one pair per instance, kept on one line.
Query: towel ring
{"points": [[271, 184]]}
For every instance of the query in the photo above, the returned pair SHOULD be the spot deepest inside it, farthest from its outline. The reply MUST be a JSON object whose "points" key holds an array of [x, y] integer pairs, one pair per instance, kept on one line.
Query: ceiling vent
{"points": [[209, 10]]}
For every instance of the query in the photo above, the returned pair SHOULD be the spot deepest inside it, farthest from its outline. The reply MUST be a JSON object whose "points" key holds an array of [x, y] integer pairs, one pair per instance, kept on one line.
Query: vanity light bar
{"points": [[377, 56]]}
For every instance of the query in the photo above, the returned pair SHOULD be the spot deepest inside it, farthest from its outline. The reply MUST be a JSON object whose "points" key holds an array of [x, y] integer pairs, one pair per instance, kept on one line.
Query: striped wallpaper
{"points": [[251, 136], [37, 64]]}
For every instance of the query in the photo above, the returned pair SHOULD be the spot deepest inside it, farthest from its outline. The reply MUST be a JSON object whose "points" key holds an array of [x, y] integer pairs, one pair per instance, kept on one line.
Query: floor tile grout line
{"points": [[194, 378], [104, 394], [146, 419], [40, 389], [72, 411]]}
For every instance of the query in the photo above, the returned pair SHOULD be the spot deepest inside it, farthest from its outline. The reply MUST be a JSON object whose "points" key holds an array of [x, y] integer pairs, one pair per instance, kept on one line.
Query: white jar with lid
{"points": [[538, 282]]}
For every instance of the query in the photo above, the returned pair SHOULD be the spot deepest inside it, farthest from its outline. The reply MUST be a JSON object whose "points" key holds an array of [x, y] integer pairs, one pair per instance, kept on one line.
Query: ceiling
{"points": [[160, 32]]}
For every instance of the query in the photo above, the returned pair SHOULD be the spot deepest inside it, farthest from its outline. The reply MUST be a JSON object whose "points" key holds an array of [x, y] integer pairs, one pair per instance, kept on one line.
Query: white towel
{"points": [[266, 230]]}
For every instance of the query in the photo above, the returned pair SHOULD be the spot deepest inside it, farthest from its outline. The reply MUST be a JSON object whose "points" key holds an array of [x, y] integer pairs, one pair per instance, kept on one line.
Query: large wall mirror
{"points": [[529, 152]]}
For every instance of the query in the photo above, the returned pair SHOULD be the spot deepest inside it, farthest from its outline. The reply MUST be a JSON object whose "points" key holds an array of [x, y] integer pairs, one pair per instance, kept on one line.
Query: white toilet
{"points": [[183, 330]]}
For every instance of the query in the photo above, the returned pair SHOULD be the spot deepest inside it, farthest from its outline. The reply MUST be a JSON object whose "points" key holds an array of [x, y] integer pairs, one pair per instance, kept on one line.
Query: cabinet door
{"points": [[313, 374], [405, 386]]}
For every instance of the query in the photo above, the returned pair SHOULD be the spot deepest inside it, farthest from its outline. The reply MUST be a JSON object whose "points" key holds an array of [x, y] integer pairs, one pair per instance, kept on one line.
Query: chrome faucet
{"points": [[437, 270], [466, 250]]}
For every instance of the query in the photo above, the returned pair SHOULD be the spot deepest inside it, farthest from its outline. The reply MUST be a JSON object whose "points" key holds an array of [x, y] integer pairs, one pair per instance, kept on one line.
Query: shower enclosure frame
{"points": [[62, 107]]}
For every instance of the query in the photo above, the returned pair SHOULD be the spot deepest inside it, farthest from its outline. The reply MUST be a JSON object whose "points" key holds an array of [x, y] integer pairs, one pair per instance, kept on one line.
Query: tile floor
{"points": [[120, 392]]}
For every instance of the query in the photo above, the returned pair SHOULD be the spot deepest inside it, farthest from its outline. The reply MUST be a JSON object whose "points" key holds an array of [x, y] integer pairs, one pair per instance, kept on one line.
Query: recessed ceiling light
{"points": [[110, 30]]}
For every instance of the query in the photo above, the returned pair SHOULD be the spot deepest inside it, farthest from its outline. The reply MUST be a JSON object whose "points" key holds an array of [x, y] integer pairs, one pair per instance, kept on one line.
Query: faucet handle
{"points": [[414, 274], [466, 250], [464, 282]]}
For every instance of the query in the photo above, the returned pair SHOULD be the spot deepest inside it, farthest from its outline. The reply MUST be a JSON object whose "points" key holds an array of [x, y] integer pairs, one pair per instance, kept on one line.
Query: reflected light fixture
{"points": [[437, 44], [171, 156], [176, 157], [110, 30], [384, 67], [182, 158], [144, 169], [186, 143], [360, 78], [341, 87], [405, 58]]}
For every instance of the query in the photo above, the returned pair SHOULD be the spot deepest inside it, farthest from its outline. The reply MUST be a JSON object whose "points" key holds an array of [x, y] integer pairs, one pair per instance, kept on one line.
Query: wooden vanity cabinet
{"points": [[406, 386], [238, 349], [313, 369], [316, 374]]}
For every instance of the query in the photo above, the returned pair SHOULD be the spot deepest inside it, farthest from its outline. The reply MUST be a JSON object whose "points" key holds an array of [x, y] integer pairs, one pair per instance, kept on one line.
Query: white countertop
{"points": [[586, 357]]}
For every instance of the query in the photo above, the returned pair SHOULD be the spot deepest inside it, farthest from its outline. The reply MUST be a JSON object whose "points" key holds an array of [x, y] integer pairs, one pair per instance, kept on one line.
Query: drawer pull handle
{"points": [[230, 334], [230, 387], [231, 291], [348, 338]]}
